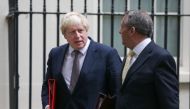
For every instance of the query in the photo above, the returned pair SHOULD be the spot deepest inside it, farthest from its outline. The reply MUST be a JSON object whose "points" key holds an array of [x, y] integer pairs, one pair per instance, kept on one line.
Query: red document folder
{"points": [[52, 93]]}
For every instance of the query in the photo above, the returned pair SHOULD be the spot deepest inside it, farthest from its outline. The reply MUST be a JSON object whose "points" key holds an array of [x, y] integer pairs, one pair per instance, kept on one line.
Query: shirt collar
{"points": [[139, 48], [82, 50]]}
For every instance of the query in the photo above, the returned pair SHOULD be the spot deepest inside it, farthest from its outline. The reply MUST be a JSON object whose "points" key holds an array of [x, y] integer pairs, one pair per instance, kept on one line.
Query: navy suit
{"points": [[151, 82], [100, 73]]}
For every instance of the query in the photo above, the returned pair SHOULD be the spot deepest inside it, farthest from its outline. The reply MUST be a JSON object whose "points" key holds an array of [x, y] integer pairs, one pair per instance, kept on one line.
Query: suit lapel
{"points": [[61, 58], [123, 63], [60, 66], [142, 58], [88, 62], [63, 83], [89, 59]]}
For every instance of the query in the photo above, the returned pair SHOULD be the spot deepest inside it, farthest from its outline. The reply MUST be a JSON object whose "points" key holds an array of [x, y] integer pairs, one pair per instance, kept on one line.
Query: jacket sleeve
{"points": [[166, 83], [44, 90], [114, 72]]}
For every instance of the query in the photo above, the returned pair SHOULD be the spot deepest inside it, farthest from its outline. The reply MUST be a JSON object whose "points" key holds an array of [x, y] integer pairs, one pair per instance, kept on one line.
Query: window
{"points": [[165, 27], [108, 34]]}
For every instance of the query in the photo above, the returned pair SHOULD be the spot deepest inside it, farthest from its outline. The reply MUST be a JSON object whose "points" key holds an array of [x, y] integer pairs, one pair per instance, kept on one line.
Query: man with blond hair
{"points": [[80, 81]]}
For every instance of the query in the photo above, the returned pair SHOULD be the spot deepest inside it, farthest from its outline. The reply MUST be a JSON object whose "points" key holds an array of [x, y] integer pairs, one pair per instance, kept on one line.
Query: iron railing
{"points": [[13, 20]]}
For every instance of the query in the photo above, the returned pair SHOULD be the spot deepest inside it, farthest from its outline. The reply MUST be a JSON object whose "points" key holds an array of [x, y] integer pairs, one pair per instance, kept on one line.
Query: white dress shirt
{"points": [[139, 48], [68, 62]]}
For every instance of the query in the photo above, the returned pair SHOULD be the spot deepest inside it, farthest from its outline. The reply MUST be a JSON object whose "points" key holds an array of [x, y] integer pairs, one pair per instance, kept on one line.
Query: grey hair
{"points": [[140, 20], [73, 18]]}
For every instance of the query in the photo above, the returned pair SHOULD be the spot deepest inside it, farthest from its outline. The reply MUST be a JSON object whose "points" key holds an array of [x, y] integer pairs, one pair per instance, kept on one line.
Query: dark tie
{"points": [[75, 70]]}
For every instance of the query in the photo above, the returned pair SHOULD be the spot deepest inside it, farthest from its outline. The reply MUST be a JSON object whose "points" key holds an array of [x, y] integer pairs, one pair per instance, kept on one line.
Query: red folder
{"points": [[52, 92]]}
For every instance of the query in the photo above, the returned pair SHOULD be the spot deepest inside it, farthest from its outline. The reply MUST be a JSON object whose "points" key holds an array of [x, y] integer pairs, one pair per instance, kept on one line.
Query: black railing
{"points": [[13, 19], [178, 38]]}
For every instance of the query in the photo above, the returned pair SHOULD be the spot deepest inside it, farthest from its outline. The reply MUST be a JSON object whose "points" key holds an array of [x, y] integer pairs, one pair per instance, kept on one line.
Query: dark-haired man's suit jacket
{"points": [[151, 82], [100, 73]]}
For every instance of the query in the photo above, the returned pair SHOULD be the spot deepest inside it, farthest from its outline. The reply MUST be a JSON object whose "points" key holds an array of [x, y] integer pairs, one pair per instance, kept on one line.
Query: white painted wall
{"points": [[4, 64], [185, 57], [37, 53]]}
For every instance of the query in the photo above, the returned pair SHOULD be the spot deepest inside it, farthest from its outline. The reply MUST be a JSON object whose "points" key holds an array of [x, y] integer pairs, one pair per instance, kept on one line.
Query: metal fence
{"points": [[13, 20]]}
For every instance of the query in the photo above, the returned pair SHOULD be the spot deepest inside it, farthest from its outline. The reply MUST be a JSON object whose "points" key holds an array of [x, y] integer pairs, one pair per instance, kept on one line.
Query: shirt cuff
{"points": [[47, 107]]}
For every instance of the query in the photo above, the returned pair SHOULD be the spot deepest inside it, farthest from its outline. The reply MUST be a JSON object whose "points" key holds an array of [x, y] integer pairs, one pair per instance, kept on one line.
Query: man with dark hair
{"points": [[149, 79]]}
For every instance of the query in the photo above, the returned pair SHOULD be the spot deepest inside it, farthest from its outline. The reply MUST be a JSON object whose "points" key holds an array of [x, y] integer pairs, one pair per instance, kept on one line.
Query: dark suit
{"points": [[100, 73], [151, 82]]}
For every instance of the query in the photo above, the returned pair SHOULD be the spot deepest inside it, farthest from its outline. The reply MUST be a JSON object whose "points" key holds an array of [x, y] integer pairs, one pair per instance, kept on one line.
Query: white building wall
{"points": [[185, 57], [4, 61], [51, 42]]}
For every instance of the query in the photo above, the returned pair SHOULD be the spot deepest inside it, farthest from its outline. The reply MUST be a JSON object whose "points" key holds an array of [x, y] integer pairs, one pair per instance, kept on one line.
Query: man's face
{"points": [[76, 36], [125, 36]]}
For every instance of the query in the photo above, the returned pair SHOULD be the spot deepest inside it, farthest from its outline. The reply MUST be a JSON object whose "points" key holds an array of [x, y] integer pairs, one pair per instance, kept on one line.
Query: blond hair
{"points": [[73, 18]]}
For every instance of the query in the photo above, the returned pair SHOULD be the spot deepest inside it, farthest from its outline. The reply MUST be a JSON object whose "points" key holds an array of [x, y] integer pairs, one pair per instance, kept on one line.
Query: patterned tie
{"points": [[127, 64], [75, 70]]}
